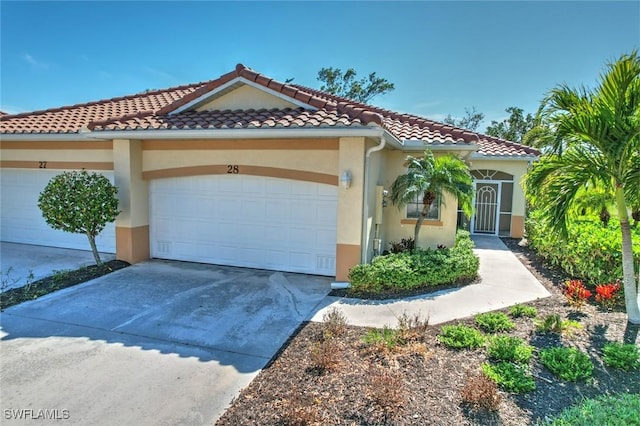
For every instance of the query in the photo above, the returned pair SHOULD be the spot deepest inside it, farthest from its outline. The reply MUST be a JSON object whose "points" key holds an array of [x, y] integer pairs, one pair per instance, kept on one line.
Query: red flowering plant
{"points": [[577, 294], [608, 295]]}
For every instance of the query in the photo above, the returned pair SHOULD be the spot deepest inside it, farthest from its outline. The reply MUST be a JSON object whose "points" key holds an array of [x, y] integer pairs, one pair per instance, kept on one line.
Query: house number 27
{"points": [[233, 169]]}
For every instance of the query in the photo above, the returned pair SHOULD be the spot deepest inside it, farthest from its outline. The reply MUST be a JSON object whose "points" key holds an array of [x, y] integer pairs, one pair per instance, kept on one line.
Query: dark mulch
{"points": [[58, 281], [420, 383]]}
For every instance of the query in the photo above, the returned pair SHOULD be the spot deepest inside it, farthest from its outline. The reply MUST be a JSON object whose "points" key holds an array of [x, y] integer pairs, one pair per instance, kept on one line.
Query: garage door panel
{"points": [[241, 220], [21, 220]]}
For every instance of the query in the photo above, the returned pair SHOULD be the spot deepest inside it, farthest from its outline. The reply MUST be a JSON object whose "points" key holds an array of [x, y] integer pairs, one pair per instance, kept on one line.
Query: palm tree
{"points": [[594, 201], [429, 177], [600, 131]]}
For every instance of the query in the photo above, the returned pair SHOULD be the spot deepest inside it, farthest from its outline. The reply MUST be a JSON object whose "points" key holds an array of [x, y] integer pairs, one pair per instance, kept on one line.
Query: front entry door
{"points": [[487, 206]]}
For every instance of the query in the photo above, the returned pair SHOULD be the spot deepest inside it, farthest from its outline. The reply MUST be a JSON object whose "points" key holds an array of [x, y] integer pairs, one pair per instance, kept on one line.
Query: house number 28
{"points": [[233, 169]]}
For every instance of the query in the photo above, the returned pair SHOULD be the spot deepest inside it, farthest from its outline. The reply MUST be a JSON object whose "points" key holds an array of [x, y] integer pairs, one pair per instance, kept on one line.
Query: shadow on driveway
{"points": [[156, 343]]}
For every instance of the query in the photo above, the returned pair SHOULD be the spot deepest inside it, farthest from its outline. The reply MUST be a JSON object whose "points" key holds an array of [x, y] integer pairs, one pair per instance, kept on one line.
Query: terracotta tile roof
{"points": [[162, 110], [228, 119], [2, 113], [70, 119]]}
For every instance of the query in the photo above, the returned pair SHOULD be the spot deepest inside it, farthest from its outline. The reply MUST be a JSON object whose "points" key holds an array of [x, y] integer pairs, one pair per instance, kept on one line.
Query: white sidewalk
{"points": [[504, 281]]}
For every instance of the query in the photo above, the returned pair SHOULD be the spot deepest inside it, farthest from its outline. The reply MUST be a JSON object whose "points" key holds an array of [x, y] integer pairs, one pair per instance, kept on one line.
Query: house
{"points": [[247, 171]]}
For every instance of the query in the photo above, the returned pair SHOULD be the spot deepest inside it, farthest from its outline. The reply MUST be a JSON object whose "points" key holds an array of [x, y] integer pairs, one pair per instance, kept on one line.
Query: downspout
{"points": [[365, 198]]}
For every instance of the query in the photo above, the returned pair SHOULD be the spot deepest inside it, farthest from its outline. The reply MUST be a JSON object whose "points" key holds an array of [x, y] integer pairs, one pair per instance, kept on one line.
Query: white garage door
{"points": [[21, 220], [249, 221]]}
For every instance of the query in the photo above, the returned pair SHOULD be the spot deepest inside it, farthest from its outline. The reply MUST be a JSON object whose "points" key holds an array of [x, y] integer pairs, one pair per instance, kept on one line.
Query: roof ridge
{"points": [[248, 73], [103, 101]]}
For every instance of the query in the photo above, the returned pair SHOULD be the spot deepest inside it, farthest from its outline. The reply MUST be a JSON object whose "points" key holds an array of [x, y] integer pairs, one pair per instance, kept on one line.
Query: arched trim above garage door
{"points": [[231, 169]]}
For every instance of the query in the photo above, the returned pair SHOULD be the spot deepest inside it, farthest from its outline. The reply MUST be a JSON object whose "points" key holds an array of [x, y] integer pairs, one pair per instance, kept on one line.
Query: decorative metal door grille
{"points": [[486, 208]]}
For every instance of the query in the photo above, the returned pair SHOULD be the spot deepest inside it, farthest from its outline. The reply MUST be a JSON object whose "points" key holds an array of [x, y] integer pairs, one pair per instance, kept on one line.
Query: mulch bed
{"points": [[57, 281], [420, 383]]}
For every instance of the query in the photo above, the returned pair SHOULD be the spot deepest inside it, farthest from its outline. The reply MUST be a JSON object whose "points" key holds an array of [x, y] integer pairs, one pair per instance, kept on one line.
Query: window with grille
{"points": [[414, 209]]}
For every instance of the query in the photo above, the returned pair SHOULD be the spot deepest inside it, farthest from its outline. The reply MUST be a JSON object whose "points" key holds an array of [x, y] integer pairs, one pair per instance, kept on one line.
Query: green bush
{"points": [[386, 337], [567, 363], [553, 323], [460, 337], [418, 268], [509, 377], [591, 252], [494, 322], [623, 409], [621, 355], [511, 349], [518, 311]]}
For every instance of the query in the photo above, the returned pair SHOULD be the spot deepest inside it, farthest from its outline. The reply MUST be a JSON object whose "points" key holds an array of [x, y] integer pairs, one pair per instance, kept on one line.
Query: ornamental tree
{"points": [[80, 202]]}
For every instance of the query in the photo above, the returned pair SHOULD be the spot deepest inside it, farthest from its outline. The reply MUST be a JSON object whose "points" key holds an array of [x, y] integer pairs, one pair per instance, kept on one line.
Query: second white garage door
{"points": [[248, 221], [21, 220]]}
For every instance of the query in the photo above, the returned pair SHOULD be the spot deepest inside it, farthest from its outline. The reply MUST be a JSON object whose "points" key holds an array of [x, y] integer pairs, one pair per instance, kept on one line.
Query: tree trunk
{"points": [[426, 206], [631, 293], [416, 231], [96, 256]]}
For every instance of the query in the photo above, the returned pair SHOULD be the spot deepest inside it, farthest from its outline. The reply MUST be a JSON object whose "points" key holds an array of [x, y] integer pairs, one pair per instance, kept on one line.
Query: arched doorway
{"points": [[493, 204]]}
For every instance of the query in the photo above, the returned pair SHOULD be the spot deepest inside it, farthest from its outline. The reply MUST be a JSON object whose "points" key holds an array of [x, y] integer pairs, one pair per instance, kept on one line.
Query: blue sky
{"points": [[442, 56]]}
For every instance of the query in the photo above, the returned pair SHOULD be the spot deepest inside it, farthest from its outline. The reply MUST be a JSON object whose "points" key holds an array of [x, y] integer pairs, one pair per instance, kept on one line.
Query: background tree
{"points": [[428, 177], [512, 128], [81, 203], [346, 85], [600, 133], [471, 120]]}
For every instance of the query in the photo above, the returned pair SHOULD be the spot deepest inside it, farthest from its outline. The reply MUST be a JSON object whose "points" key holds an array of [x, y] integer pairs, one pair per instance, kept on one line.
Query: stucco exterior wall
{"points": [[246, 97], [317, 155], [350, 221], [62, 155]]}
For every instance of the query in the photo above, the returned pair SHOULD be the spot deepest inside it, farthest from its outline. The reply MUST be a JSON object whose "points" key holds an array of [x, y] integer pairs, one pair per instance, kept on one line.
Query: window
{"points": [[414, 209]]}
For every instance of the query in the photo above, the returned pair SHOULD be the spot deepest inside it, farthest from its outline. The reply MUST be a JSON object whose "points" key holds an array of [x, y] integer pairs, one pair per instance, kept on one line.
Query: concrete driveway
{"points": [[159, 343], [17, 261]]}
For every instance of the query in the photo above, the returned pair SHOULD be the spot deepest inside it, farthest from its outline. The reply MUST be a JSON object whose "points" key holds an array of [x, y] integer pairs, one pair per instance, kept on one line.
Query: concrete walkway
{"points": [[504, 282]]}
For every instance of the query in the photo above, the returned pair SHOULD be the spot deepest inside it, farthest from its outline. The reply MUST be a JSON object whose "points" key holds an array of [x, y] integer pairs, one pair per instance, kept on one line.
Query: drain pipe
{"points": [[365, 198]]}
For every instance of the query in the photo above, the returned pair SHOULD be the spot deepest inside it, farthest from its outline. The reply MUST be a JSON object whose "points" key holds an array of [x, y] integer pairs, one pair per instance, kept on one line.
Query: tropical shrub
{"points": [[418, 268], [624, 356], [576, 293], [510, 377], [554, 323], [406, 244], [591, 252], [608, 295], [567, 363], [460, 337], [518, 311], [494, 322], [623, 409], [510, 349]]}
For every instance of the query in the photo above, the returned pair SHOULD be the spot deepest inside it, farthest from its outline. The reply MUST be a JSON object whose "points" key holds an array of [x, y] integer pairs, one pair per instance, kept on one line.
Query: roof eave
{"points": [[418, 144], [528, 157], [364, 131], [70, 137]]}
